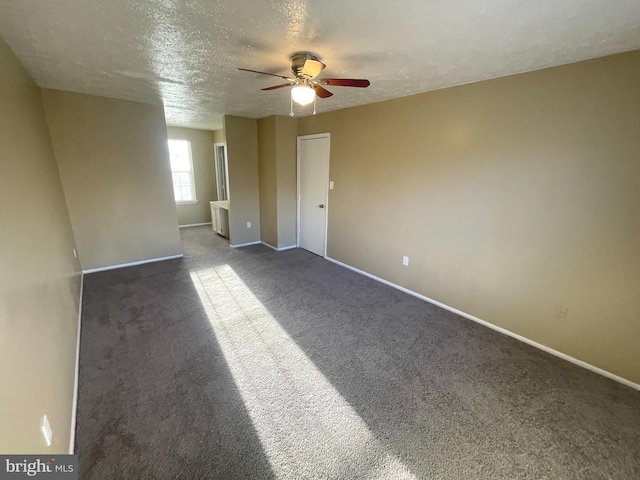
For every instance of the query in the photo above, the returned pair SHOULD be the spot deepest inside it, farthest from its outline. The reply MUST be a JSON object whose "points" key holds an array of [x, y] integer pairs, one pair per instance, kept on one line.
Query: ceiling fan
{"points": [[307, 87]]}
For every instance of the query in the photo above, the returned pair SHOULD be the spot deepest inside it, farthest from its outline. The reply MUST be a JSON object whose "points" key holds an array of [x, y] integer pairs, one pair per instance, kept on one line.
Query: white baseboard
{"points": [[246, 244], [279, 249], [132, 264], [504, 331], [194, 225], [74, 405]]}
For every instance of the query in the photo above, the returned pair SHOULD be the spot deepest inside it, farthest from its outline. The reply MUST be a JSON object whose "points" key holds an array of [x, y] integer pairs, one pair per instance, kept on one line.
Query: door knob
{"points": [[321, 206]]}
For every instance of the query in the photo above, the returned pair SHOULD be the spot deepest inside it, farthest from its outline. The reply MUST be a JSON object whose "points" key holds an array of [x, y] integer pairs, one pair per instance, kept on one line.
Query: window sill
{"points": [[190, 202]]}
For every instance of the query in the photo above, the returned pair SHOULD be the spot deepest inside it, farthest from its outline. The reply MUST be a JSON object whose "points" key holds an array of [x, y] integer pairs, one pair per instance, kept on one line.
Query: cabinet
{"points": [[220, 218]]}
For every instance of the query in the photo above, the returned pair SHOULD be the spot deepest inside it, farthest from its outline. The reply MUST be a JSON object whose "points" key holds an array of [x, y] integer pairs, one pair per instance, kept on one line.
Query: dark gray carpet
{"points": [[254, 364]]}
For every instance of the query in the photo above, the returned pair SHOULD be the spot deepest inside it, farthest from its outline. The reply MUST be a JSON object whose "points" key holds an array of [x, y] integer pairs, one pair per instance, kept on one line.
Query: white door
{"points": [[313, 184]]}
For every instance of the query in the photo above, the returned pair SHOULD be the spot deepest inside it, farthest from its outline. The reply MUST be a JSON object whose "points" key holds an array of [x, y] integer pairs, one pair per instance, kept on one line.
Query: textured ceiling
{"points": [[184, 54]]}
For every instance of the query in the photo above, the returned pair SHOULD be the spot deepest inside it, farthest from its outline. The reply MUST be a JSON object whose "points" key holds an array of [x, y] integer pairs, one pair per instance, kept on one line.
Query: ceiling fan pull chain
{"points": [[291, 114], [315, 100]]}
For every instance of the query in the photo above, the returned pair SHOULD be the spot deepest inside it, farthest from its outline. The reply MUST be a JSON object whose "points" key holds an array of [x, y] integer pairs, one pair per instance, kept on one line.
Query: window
{"points": [[184, 188]]}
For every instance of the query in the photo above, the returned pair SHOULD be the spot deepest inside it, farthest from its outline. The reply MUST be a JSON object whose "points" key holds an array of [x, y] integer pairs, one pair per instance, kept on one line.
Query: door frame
{"points": [[225, 166], [326, 135]]}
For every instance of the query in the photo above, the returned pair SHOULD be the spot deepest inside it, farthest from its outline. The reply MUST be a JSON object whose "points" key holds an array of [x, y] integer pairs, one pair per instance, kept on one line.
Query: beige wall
{"points": [[241, 136], [286, 148], [114, 166], [512, 197], [204, 172], [39, 276], [267, 158], [278, 187]]}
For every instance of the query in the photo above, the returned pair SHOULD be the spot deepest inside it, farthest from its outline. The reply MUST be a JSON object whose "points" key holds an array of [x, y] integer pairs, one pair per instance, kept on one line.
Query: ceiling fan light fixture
{"points": [[303, 94], [306, 86]]}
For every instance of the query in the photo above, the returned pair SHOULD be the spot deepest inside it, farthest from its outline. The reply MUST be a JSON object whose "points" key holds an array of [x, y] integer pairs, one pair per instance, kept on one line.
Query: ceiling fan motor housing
{"points": [[298, 59]]}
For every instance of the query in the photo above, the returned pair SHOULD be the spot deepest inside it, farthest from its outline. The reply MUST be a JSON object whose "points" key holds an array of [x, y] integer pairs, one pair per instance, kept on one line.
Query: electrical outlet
{"points": [[47, 433], [75, 253], [248, 224], [330, 185], [405, 261]]}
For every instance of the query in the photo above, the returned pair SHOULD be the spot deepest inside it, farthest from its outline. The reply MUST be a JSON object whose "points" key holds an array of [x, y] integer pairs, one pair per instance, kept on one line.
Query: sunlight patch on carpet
{"points": [[306, 427]]}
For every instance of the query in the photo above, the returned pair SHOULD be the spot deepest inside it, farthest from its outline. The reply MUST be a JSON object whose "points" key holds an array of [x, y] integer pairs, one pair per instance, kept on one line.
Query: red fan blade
{"points": [[263, 73], [345, 82], [277, 86], [322, 92]]}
